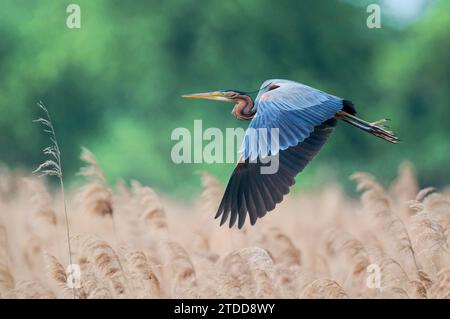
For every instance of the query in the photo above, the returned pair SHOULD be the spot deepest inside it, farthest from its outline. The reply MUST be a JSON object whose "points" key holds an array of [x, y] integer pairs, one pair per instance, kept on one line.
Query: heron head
{"points": [[223, 95]]}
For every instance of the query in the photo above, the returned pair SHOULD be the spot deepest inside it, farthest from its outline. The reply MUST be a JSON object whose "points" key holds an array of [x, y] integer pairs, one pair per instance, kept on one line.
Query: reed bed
{"points": [[131, 242]]}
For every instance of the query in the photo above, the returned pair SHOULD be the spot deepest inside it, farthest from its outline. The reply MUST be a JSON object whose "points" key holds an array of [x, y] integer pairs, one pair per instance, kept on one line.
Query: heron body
{"points": [[304, 118]]}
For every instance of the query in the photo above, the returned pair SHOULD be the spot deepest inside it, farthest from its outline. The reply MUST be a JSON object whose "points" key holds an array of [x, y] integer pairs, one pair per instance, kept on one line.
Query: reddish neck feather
{"points": [[243, 109]]}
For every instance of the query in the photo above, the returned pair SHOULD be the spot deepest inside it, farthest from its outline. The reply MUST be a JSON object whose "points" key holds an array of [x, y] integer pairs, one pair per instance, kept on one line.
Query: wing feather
{"points": [[292, 108], [304, 118], [250, 192]]}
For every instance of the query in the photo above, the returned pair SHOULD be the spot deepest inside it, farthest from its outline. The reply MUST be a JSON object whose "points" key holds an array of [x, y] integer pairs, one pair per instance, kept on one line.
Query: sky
{"points": [[405, 10]]}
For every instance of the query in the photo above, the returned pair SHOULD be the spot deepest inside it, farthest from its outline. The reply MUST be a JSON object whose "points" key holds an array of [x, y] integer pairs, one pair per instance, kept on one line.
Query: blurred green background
{"points": [[114, 85]]}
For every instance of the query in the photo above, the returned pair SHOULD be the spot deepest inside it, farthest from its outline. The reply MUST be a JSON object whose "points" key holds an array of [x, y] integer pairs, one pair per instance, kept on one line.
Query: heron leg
{"points": [[373, 128]]}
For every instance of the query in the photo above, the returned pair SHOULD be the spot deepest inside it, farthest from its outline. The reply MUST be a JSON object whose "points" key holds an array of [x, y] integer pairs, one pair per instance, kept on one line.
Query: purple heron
{"points": [[304, 117]]}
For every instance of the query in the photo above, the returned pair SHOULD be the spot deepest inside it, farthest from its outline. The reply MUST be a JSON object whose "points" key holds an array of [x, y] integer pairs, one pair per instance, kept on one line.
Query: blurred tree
{"points": [[114, 84]]}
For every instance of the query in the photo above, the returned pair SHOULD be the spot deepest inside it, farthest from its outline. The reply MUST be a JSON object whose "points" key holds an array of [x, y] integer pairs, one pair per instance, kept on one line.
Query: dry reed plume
{"points": [[131, 243]]}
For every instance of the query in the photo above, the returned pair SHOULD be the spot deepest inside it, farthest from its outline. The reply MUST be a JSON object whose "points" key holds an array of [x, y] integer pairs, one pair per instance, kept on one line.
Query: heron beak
{"points": [[216, 96]]}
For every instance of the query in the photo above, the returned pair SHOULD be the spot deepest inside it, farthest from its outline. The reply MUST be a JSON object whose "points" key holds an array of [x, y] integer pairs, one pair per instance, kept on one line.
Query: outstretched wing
{"points": [[250, 192], [292, 108]]}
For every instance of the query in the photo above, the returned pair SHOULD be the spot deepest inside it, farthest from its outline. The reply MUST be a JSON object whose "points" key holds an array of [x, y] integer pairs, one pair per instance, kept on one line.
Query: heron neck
{"points": [[243, 110]]}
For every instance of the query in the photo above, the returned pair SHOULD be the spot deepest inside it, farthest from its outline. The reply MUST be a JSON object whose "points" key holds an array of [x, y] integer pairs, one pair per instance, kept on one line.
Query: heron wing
{"points": [[250, 192], [291, 108]]}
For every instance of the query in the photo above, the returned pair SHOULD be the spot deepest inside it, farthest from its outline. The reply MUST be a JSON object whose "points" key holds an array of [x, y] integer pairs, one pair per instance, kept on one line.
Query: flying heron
{"points": [[304, 117]]}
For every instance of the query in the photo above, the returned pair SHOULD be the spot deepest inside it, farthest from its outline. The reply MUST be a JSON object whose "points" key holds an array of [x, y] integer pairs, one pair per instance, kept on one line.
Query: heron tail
{"points": [[375, 128]]}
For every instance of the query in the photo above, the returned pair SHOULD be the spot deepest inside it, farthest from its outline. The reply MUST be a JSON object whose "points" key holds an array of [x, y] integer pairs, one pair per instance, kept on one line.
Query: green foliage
{"points": [[114, 84]]}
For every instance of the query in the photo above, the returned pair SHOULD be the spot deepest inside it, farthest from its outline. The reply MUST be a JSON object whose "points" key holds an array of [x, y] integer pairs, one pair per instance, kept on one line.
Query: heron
{"points": [[304, 117]]}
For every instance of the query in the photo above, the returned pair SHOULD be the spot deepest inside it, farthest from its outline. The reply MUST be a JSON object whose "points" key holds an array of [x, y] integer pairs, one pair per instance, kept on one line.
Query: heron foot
{"points": [[379, 122]]}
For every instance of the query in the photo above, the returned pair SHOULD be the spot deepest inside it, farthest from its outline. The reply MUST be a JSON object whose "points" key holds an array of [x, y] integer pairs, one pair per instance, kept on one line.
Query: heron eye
{"points": [[273, 87]]}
